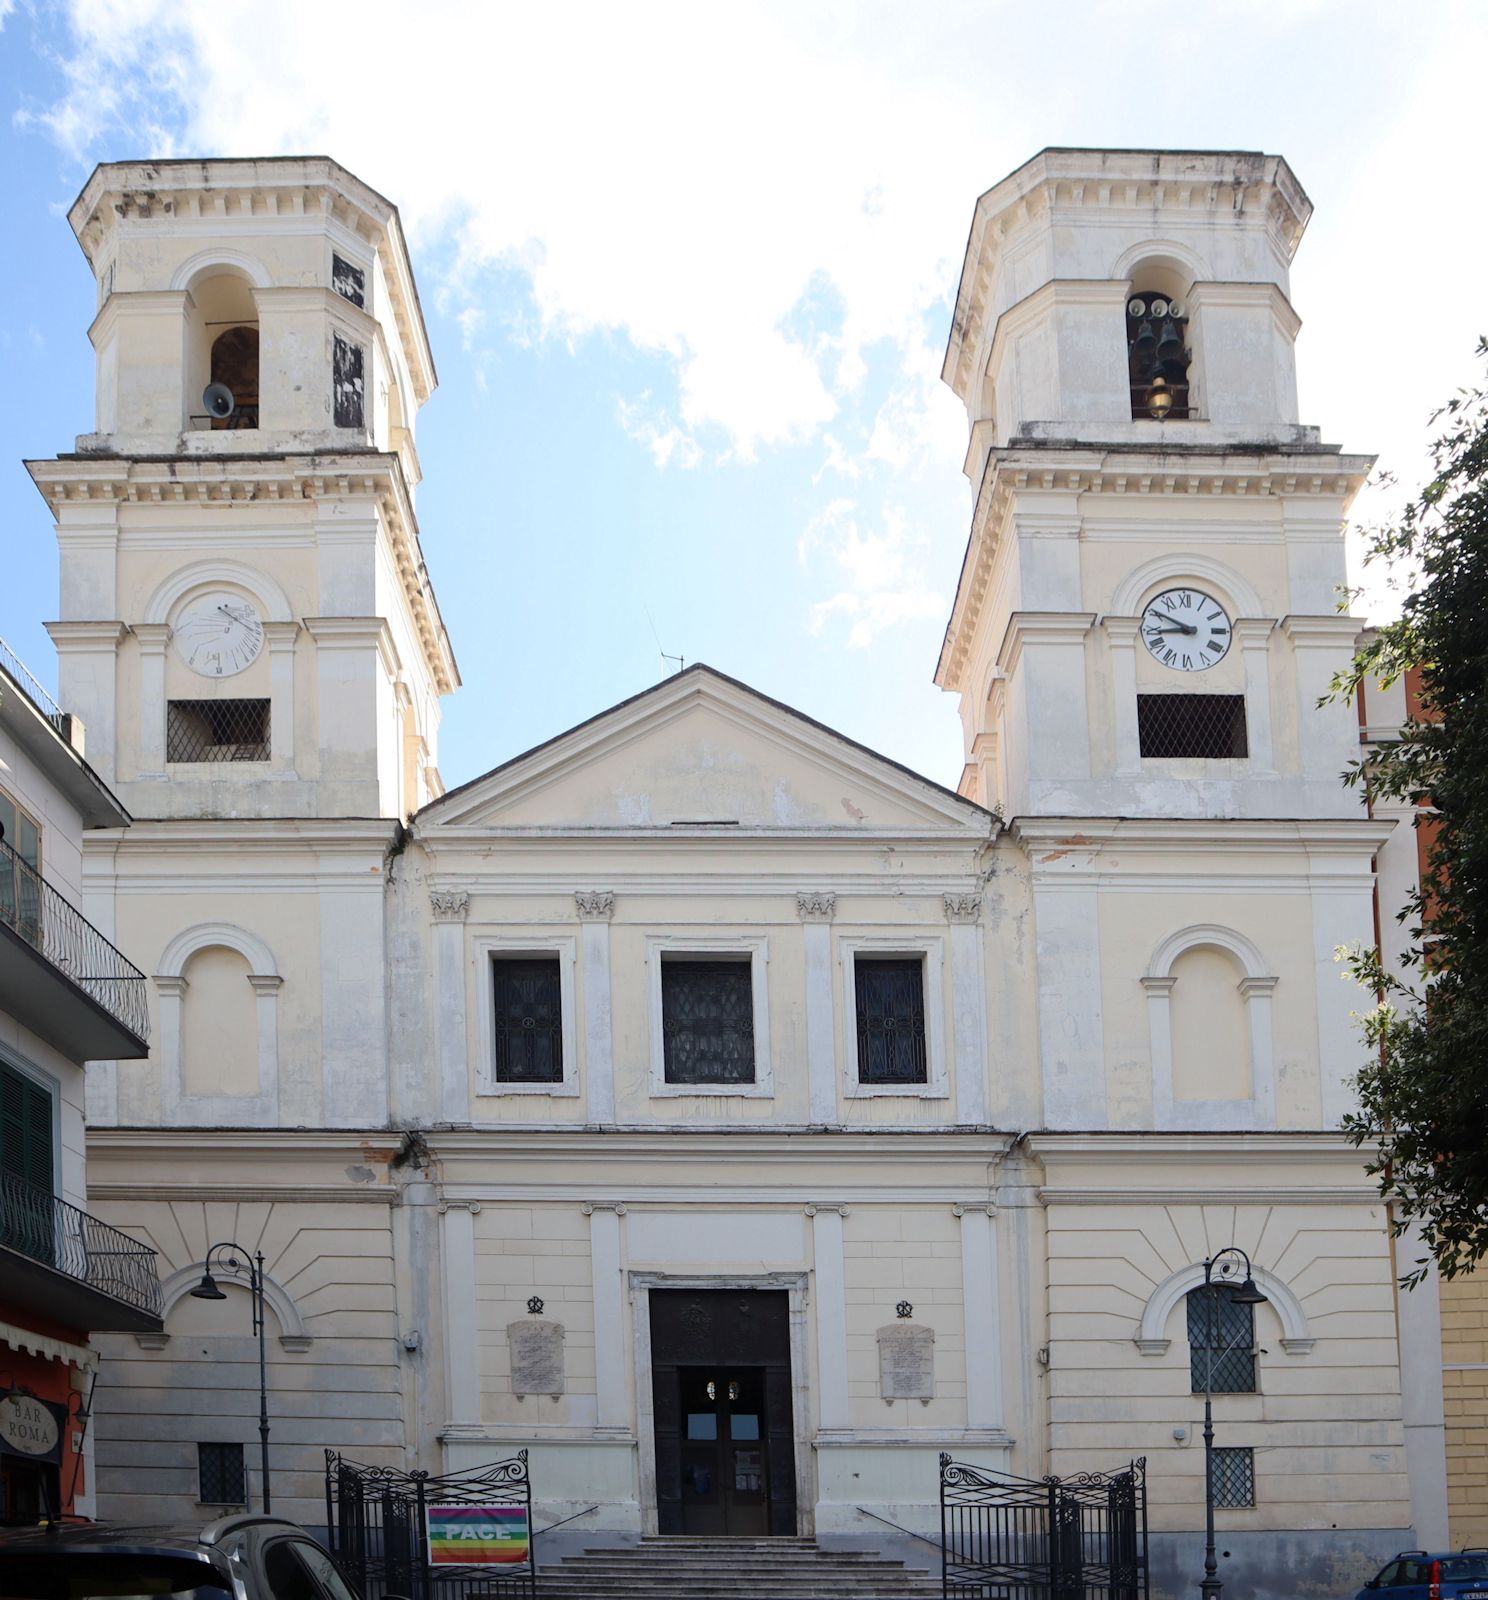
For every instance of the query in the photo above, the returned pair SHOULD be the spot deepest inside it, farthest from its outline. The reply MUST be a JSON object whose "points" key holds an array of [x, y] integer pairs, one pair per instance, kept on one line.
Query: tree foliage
{"points": [[1424, 1095]]}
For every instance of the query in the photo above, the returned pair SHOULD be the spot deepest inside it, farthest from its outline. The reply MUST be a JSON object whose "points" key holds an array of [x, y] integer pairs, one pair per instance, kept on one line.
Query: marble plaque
{"points": [[536, 1356], [906, 1362]]}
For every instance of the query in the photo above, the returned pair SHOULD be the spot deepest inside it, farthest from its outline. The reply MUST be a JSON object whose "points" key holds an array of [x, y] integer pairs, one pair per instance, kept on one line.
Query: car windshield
{"points": [[79, 1575], [1458, 1568]]}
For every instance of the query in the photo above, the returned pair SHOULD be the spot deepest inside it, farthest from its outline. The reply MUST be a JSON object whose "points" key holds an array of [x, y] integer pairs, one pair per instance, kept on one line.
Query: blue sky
{"points": [[688, 272]]}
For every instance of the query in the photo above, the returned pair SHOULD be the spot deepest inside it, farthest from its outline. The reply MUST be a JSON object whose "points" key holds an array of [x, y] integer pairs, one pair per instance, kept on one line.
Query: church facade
{"points": [[725, 1114]]}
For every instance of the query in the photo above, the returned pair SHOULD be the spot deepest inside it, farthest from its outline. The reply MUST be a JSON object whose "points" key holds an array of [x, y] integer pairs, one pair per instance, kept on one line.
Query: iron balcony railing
{"points": [[39, 1225], [57, 930], [23, 676]]}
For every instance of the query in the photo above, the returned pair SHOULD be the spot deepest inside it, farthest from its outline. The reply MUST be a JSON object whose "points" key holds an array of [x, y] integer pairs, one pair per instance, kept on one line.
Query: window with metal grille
{"points": [[1221, 1341], [219, 1473], [1209, 726], [707, 1020], [890, 997], [217, 730], [529, 1019], [1232, 1477]]}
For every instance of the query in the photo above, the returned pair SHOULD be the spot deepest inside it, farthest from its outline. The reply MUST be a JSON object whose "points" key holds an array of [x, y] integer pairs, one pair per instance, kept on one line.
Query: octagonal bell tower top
{"points": [[250, 307], [1068, 258]]}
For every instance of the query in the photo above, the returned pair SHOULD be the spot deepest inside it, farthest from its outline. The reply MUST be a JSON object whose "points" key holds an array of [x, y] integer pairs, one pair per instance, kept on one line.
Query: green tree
{"points": [[1424, 1095]]}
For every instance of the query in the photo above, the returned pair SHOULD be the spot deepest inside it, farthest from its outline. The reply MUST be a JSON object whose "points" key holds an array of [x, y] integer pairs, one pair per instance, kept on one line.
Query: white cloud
{"points": [[880, 574], [649, 425]]}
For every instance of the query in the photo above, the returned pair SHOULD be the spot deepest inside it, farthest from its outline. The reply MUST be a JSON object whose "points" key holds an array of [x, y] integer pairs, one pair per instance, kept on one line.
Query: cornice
{"points": [[244, 480], [1139, 836], [329, 835], [1229, 474]]}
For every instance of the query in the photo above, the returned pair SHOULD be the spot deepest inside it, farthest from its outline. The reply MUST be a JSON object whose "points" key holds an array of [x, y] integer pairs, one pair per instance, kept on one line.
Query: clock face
{"points": [[219, 634], [1186, 629]]}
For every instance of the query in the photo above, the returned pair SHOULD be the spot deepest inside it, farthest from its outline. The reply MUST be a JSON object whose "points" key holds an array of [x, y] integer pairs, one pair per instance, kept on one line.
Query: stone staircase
{"points": [[686, 1567]]}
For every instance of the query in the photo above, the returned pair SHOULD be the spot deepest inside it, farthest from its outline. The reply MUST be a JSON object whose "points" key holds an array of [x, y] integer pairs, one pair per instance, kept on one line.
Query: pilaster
{"points": [[595, 907], [816, 909]]}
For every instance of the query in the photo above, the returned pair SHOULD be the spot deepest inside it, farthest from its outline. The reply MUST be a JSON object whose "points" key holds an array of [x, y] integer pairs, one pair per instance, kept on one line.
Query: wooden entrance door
{"points": [[721, 1389]]}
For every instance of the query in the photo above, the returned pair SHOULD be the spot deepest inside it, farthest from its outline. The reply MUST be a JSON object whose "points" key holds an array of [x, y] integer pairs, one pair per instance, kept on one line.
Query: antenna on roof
{"points": [[680, 660]]}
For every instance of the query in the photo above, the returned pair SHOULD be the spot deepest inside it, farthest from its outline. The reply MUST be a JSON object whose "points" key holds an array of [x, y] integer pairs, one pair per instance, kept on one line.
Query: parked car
{"points": [[1422, 1575], [236, 1558]]}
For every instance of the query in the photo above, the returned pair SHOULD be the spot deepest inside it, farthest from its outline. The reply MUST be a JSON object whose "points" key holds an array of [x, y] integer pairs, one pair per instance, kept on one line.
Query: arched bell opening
{"points": [[1157, 342], [222, 341], [234, 368]]}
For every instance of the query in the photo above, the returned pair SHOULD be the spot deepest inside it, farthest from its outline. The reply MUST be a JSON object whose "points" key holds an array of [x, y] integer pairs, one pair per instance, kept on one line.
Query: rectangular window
{"points": [[219, 1472], [217, 730], [27, 1223], [349, 281], [890, 995], [1233, 1479], [707, 1020], [1221, 1341], [20, 870], [528, 1019], [1210, 727], [346, 383]]}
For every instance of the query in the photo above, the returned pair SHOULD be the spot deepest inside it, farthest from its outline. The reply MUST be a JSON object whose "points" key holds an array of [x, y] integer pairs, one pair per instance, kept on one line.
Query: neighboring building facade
{"points": [[67, 996], [708, 1104]]}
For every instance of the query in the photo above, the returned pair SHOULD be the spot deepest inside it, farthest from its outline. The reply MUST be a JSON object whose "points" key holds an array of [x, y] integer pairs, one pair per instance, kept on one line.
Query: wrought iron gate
{"points": [[1077, 1538], [378, 1523]]}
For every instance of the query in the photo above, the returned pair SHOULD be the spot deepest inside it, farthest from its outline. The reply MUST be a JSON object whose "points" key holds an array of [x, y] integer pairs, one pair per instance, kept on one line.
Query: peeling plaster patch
{"points": [[852, 810], [1075, 842], [361, 1174]]}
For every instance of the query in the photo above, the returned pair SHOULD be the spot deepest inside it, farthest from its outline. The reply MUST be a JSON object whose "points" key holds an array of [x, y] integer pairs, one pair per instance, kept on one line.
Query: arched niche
{"points": [[1151, 1337], [280, 1303], [206, 574], [259, 1109], [1255, 985]]}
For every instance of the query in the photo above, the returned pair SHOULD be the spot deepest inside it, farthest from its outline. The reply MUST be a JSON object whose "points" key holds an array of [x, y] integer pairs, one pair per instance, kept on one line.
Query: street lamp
{"points": [[234, 1259], [1222, 1269]]}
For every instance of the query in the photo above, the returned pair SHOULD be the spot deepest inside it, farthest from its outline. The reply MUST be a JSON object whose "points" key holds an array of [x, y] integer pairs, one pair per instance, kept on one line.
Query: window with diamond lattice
{"points": [[1227, 1364], [1209, 726], [217, 730], [1232, 1477], [890, 997], [529, 1020], [219, 1472], [707, 1021]]}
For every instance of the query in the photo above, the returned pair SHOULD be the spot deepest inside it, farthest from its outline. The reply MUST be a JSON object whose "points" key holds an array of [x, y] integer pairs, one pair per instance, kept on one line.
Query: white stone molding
{"points": [[982, 1323], [449, 905], [968, 1007], [816, 909], [1423, 1400], [281, 638], [595, 909], [815, 905], [219, 258], [1253, 635], [1121, 651], [607, 1270], [658, 946], [834, 1410], [184, 581], [930, 949], [177, 1108], [1138, 585], [461, 1319], [962, 907], [1168, 251], [451, 1032], [1259, 1110], [154, 638], [293, 1334], [795, 1286], [486, 948], [1297, 1338]]}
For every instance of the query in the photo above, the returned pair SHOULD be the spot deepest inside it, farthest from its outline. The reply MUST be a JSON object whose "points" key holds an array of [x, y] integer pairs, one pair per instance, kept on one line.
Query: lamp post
{"points": [[234, 1259], [1222, 1269]]}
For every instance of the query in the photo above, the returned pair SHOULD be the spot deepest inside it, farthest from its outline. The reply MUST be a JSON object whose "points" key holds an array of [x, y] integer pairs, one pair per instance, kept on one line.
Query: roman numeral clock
{"points": [[1186, 629]]}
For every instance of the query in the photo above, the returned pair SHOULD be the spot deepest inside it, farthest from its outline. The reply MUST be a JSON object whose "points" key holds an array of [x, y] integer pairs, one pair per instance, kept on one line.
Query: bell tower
{"points": [[1147, 612], [247, 627]]}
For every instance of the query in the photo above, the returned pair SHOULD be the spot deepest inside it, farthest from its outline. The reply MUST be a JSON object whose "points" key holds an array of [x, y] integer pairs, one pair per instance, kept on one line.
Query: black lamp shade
{"points": [[207, 1289]]}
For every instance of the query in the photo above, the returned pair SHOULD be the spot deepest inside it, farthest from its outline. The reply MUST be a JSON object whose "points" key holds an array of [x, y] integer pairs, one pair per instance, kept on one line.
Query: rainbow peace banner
{"points": [[478, 1536]]}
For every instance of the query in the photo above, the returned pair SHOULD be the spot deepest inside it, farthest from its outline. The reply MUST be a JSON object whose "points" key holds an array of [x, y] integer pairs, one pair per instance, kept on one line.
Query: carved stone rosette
{"points": [[963, 907], [595, 905], [815, 905], [449, 905]]}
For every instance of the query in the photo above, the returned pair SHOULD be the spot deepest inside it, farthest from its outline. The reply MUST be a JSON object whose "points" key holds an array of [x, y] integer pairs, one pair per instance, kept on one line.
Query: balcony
{"points": [[60, 977], [62, 1264]]}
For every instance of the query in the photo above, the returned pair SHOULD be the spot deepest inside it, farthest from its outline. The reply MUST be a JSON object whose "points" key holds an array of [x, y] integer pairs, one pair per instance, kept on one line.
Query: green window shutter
{"points": [[25, 1129]]}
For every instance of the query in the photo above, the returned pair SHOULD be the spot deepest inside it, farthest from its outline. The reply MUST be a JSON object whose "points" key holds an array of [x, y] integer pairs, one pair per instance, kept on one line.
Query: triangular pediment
{"points": [[702, 748]]}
